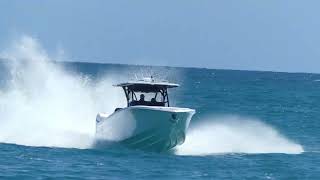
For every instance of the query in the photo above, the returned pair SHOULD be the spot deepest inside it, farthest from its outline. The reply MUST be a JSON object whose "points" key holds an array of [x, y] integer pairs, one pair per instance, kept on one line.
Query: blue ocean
{"points": [[248, 124]]}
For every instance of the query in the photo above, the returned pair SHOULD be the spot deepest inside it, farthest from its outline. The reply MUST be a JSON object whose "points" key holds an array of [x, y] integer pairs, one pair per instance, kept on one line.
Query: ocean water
{"points": [[248, 125]]}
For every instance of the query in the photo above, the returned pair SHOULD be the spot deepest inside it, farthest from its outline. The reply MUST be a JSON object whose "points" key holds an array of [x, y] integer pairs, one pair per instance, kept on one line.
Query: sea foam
{"points": [[232, 134]]}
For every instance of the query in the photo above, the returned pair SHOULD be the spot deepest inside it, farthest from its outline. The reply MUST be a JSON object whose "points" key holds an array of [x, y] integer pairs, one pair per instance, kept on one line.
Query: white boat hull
{"points": [[145, 127]]}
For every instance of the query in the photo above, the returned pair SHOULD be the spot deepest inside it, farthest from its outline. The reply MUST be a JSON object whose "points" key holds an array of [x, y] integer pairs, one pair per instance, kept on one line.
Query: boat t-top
{"points": [[148, 122]]}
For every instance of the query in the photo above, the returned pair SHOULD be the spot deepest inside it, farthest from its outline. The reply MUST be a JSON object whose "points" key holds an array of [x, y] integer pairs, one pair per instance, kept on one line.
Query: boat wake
{"points": [[235, 135]]}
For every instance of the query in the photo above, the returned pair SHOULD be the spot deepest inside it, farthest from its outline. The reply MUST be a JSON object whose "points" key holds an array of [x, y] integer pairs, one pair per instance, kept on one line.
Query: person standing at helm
{"points": [[141, 98]]}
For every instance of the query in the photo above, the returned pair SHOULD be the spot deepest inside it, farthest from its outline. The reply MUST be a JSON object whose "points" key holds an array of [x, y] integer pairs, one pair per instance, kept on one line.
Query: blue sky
{"points": [[274, 35]]}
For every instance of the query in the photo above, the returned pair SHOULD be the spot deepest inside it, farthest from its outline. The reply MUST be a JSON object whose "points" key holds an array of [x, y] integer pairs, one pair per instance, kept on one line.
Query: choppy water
{"points": [[248, 125]]}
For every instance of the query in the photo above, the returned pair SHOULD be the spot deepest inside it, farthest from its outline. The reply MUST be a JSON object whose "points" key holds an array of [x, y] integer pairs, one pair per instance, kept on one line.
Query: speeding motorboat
{"points": [[147, 123]]}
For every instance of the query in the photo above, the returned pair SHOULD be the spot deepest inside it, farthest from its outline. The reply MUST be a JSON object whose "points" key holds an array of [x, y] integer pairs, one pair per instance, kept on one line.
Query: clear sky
{"points": [[275, 35]]}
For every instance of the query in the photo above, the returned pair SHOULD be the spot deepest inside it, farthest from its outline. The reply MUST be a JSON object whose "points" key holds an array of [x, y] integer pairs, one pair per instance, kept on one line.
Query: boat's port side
{"points": [[158, 130], [150, 128]]}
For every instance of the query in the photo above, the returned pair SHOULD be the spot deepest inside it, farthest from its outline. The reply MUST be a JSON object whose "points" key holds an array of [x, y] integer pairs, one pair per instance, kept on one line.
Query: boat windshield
{"points": [[146, 98], [147, 93]]}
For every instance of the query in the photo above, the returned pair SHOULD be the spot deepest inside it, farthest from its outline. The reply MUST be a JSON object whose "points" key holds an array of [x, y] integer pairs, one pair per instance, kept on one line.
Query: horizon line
{"points": [[187, 67], [192, 67]]}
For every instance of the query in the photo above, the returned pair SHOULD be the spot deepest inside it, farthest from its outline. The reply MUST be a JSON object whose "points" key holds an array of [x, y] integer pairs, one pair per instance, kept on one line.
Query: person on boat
{"points": [[153, 102], [141, 101]]}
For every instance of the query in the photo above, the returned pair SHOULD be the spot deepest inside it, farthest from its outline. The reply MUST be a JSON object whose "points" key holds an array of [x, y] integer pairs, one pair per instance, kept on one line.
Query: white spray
{"points": [[47, 106], [235, 135]]}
